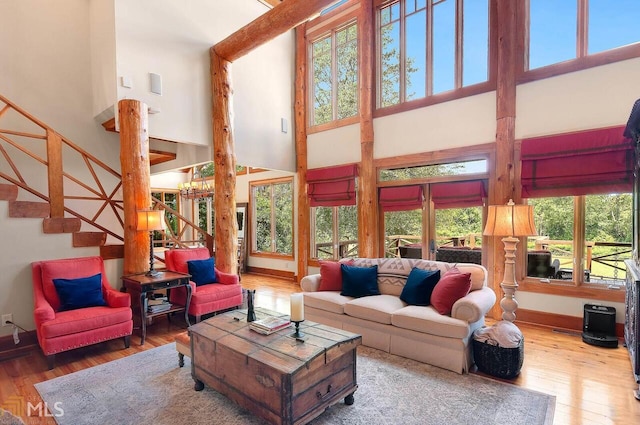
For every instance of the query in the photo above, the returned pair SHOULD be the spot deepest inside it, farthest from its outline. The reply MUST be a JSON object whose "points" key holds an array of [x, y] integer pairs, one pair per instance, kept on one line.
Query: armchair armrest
{"points": [[117, 299], [474, 305], [310, 283], [227, 278], [43, 313]]}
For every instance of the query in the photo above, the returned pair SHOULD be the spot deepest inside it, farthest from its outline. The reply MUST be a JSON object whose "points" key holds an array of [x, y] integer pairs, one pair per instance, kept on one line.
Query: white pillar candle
{"points": [[297, 308]]}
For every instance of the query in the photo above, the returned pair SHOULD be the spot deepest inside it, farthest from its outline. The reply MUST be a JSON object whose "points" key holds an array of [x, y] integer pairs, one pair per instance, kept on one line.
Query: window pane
{"points": [[390, 57], [322, 111], [444, 46], [552, 33], [347, 68], [613, 24], [398, 224], [416, 56], [451, 169], [323, 236], [348, 231], [554, 221], [262, 201], [283, 204], [475, 57], [459, 227], [608, 232]]}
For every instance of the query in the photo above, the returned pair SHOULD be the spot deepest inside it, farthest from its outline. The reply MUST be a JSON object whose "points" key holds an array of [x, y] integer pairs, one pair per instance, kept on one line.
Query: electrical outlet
{"points": [[7, 318]]}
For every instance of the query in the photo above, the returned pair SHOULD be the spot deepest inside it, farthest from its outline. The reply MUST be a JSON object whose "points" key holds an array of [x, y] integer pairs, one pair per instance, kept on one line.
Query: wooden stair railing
{"points": [[89, 193]]}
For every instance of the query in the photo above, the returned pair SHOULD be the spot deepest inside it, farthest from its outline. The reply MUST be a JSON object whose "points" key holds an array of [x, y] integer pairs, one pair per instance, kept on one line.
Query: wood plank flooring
{"points": [[592, 385]]}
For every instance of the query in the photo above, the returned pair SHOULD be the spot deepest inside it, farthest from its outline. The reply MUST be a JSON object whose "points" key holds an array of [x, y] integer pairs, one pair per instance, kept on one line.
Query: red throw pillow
{"points": [[331, 275], [452, 286]]}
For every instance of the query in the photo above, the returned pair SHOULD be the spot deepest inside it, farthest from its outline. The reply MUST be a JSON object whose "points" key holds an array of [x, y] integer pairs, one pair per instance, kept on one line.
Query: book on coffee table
{"points": [[269, 325]]}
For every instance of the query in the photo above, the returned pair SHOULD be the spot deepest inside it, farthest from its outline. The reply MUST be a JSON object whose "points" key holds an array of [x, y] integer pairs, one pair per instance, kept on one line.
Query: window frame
{"points": [[253, 216], [329, 25], [582, 61], [459, 91]]}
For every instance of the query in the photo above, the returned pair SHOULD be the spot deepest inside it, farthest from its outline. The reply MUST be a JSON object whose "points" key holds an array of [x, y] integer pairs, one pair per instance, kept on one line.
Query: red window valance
{"points": [[458, 194], [401, 198], [581, 163], [332, 186]]}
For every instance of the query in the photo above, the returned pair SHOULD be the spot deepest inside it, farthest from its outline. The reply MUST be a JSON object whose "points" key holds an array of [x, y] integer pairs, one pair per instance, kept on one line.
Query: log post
{"points": [[304, 214], [368, 234], [226, 243], [136, 189], [502, 176], [284, 17]]}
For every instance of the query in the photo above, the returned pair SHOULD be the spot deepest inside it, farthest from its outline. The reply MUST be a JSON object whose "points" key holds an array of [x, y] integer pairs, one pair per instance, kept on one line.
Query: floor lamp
{"points": [[150, 220], [510, 221]]}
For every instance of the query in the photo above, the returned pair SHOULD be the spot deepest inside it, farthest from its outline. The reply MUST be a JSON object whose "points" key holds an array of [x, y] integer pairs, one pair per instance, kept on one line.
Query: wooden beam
{"points": [[300, 110], [287, 15], [368, 231], [224, 158], [136, 189], [502, 178]]}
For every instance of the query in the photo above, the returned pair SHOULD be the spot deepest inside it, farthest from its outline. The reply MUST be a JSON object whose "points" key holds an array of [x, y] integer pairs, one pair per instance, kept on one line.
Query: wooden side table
{"points": [[139, 285]]}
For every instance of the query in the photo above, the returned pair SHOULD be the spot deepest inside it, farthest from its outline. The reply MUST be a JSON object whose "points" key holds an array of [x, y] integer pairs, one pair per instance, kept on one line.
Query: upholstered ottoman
{"points": [[183, 346]]}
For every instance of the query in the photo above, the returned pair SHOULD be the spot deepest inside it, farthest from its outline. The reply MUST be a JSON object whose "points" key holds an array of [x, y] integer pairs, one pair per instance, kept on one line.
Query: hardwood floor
{"points": [[592, 385]]}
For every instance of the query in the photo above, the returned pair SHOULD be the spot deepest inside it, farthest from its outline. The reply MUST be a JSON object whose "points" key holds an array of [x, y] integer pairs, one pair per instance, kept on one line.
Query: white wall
{"points": [[173, 39], [334, 147], [103, 57], [45, 68], [593, 98], [461, 122]]}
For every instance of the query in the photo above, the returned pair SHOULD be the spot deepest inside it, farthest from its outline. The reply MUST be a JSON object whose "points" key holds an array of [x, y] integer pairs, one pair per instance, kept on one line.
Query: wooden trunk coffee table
{"points": [[277, 377]]}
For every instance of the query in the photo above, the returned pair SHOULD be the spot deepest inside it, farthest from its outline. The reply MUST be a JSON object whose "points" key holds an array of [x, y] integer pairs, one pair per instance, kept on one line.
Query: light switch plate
{"points": [[155, 81]]}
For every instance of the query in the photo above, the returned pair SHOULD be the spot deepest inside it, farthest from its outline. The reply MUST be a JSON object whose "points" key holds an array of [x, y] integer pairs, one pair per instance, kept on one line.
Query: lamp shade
{"points": [[510, 220], [149, 220]]}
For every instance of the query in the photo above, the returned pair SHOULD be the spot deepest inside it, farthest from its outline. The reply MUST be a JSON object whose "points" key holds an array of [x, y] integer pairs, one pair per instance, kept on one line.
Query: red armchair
{"points": [[225, 294], [60, 330]]}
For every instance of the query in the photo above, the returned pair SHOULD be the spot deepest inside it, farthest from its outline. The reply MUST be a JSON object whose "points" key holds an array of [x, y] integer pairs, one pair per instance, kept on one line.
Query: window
{"points": [[592, 230], [170, 199], [424, 48], [580, 28], [272, 217], [334, 232], [334, 64]]}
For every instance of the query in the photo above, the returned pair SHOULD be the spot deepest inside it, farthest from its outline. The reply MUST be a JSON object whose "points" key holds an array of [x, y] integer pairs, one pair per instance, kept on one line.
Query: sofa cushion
{"points": [[66, 269], [202, 271], [179, 257], [419, 286], [376, 309], [80, 292], [428, 320], [359, 281], [89, 319], [209, 293], [331, 275], [330, 301], [452, 286]]}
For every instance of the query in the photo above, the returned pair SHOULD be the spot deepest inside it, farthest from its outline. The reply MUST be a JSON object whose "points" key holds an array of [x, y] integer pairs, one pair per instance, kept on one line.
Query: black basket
{"points": [[498, 361]]}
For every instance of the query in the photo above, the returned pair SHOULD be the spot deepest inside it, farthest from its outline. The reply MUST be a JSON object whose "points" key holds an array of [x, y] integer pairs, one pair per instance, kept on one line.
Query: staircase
{"points": [[86, 192]]}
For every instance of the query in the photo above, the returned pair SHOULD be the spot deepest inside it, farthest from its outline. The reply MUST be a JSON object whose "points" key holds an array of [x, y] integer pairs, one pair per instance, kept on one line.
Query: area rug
{"points": [[150, 388]]}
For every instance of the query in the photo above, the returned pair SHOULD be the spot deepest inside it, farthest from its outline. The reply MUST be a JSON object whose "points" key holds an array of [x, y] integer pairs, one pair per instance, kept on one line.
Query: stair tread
{"points": [[8, 192]]}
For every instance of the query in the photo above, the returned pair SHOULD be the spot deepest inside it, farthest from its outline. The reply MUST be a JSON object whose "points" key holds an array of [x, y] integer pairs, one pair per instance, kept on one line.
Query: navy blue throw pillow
{"points": [[359, 281], [80, 293], [202, 271], [419, 286]]}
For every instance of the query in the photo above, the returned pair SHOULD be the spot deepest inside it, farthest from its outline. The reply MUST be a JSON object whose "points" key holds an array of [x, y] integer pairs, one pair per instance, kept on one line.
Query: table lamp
{"points": [[510, 221], [150, 220]]}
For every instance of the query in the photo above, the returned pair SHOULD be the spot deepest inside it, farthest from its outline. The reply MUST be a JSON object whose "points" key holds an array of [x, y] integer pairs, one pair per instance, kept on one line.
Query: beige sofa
{"points": [[389, 324]]}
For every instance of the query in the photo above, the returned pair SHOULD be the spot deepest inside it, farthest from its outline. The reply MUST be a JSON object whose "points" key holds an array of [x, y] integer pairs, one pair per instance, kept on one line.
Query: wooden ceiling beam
{"points": [[287, 15]]}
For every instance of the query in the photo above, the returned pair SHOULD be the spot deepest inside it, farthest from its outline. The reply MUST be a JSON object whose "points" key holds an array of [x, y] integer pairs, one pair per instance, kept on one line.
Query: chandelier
{"points": [[197, 188]]}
